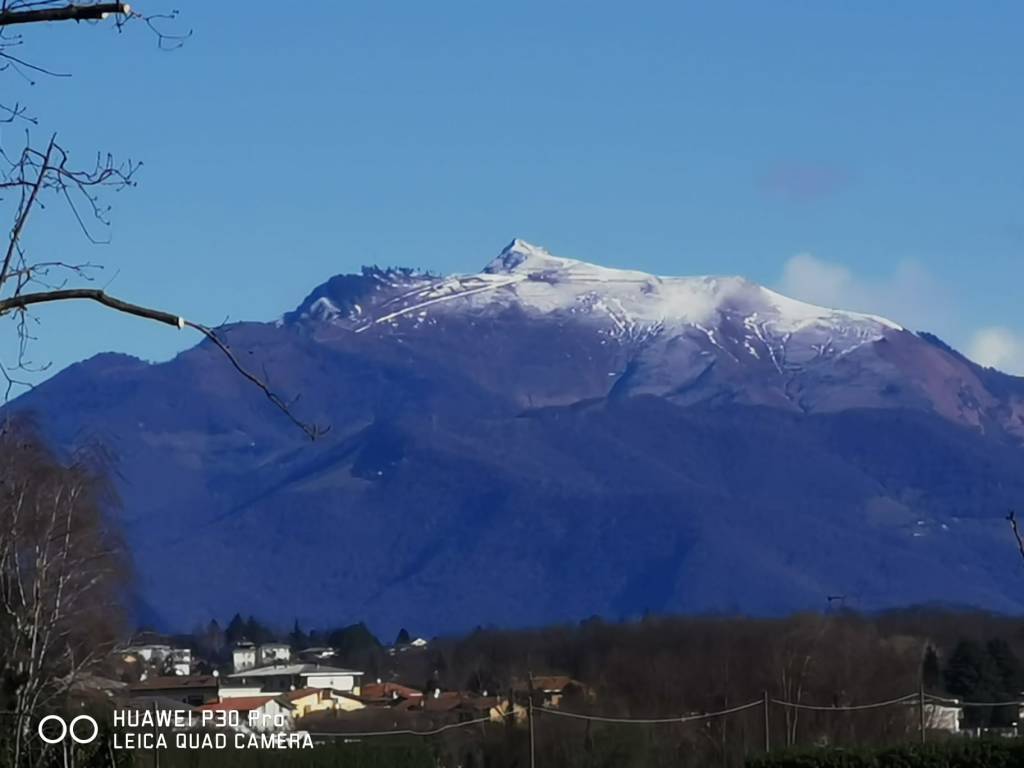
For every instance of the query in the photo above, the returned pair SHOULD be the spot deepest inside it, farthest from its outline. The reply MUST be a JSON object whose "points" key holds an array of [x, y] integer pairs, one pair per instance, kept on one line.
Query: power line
{"points": [[778, 702], [657, 720], [959, 703], [850, 708], [651, 721], [403, 732]]}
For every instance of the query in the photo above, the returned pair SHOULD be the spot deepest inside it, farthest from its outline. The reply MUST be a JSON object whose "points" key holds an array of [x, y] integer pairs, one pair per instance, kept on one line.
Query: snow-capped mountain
{"points": [[621, 304], [688, 338], [549, 439]]}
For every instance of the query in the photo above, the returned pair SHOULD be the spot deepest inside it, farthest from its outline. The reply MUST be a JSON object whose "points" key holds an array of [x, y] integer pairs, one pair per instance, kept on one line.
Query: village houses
{"points": [[282, 678]]}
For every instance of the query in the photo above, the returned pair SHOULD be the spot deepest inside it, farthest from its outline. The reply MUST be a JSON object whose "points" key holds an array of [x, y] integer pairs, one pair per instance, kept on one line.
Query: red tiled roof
{"points": [[548, 683], [385, 691], [302, 692], [174, 682], [449, 700], [553, 682]]}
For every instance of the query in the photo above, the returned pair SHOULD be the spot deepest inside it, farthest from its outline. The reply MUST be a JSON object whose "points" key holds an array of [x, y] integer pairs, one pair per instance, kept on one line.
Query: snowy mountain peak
{"points": [[543, 281], [521, 256], [726, 315]]}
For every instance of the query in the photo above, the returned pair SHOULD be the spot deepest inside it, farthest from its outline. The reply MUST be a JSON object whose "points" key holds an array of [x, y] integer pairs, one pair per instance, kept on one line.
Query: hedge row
{"points": [[951, 754]]}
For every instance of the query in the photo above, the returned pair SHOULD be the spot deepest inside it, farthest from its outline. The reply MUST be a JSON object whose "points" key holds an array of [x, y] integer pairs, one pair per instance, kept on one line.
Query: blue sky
{"points": [[861, 154]]}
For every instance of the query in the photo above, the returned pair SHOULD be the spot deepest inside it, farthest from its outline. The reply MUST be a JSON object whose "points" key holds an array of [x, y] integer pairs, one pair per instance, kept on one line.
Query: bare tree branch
{"points": [[26, 207], [34, 173], [23, 301], [1012, 518], [166, 41], [26, 300], [70, 12], [17, 112], [312, 430]]}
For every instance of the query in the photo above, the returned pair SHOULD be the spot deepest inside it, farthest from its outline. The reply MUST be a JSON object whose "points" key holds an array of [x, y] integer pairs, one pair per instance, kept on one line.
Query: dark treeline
{"points": [[355, 644], [674, 666]]}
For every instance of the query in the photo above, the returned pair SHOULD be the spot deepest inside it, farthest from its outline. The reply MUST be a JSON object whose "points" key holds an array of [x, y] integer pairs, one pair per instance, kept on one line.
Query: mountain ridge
{"points": [[692, 300], [529, 450]]}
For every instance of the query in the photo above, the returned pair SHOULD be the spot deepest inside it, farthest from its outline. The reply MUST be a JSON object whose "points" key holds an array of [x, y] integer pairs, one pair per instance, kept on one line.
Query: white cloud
{"points": [[908, 295], [808, 278], [998, 347]]}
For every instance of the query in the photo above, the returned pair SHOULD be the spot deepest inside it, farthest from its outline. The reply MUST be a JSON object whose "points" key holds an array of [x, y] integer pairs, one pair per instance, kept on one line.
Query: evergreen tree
{"points": [[297, 638], [212, 640], [235, 632], [214, 634], [356, 647], [1007, 666], [352, 640], [316, 638], [1010, 676], [931, 674], [971, 674], [255, 632]]}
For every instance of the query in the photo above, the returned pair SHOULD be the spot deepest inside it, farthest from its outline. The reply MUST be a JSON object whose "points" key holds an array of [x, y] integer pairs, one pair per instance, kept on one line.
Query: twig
{"points": [[26, 208], [25, 300], [1012, 518], [312, 430]]}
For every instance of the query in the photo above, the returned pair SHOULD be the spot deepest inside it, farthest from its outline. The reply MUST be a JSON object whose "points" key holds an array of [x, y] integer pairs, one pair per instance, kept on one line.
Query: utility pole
{"points": [[767, 726], [156, 735], [920, 707], [533, 752]]}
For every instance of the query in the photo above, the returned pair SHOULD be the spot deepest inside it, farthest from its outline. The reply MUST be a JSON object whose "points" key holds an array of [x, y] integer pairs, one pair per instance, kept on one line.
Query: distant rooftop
{"points": [[302, 693], [161, 703], [273, 670], [387, 690], [242, 704], [170, 682]]}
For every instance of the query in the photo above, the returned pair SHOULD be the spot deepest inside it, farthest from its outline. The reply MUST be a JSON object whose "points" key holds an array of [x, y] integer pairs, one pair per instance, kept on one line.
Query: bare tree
{"points": [[37, 173], [793, 657], [63, 577]]}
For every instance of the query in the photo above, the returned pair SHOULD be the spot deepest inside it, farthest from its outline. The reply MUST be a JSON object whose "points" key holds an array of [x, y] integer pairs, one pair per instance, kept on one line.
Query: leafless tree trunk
{"points": [[794, 659], [63, 573]]}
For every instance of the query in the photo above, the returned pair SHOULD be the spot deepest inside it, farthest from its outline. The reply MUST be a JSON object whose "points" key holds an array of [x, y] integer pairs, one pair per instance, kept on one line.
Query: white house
{"points": [[258, 713], [243, 656], [274, 653], [337, 679], [943, 717], [281, 678], [180, 661], [233, 691], [316, 654], [418, 644], [151, 652]]}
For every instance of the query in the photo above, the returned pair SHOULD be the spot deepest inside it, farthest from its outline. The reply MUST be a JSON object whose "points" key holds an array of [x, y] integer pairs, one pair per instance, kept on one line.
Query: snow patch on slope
{"points": [[625, 305], [629, 301]]}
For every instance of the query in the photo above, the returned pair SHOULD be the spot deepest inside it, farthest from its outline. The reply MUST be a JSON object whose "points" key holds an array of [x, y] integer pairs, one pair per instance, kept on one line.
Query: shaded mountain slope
{"points": [[548, 440]]}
